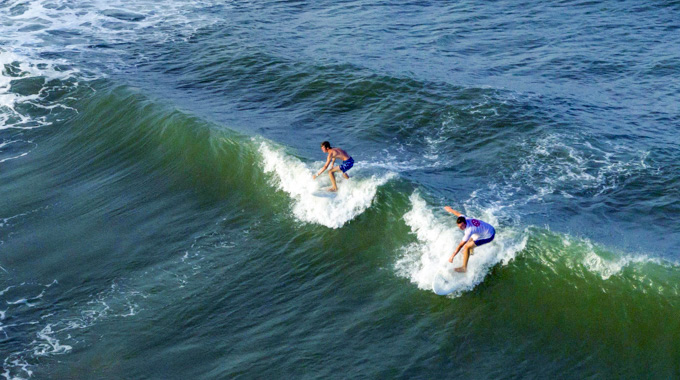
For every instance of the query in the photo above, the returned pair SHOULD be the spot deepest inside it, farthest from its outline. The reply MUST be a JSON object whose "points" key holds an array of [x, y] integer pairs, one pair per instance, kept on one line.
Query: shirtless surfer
{"points": [[334, 153], [476, 233]]}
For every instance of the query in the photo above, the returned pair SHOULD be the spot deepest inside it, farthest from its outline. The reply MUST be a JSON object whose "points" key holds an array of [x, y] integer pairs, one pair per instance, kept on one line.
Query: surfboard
{"points": [[444, 281], [325, 194]]}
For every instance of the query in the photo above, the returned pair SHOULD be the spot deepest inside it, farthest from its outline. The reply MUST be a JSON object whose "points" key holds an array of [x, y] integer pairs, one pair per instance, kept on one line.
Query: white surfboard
{"points": [[325, 194], [445, 280]]}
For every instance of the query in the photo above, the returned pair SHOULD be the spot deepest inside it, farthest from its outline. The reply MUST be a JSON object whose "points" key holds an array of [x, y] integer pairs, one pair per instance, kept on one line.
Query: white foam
{"points": [[13, 158], [51, 345], [294, 177], [429, 154], [32, 26], [16, 363], [24, 67], [75, 32], [388, 161], [564, 163], [54, 330], [4, 222], [437, 237], [603, 266]]}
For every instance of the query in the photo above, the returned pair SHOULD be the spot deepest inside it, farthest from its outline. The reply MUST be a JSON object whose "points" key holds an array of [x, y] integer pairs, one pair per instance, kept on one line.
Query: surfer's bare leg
{"points": [[467, 251], [331, 174]]}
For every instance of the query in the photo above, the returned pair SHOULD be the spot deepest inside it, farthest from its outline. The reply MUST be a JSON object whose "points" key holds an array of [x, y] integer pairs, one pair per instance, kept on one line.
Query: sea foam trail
{"points": [[38, 332], [27, 100], [294, 177], [13, 68], [31, 25], [437, 237]]}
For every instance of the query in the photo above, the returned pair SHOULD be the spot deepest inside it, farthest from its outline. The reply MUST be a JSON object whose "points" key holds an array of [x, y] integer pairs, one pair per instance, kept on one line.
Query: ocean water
{"points": [[156, 209]]}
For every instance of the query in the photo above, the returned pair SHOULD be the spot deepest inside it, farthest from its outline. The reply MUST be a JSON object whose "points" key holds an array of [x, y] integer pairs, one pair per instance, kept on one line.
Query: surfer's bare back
{"points": [[334, 153]]}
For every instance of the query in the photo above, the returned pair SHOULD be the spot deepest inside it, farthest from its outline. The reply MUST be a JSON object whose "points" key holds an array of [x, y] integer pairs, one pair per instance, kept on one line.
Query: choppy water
{"points": [[156, 209]]}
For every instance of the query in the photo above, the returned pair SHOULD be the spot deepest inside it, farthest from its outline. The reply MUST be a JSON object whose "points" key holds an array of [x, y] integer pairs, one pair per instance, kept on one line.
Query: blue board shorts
{"points": [[346, 165], [484, 241]]}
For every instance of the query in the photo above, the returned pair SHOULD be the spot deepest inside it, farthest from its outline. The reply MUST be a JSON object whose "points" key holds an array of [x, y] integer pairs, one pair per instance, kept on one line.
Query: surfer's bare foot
{"points": [[345, 175], [460, 270], [332, 189]]}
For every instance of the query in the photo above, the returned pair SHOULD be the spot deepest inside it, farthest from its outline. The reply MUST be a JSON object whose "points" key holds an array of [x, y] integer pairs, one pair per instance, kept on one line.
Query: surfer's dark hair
{"points": [[461, 219], [326, 144]]}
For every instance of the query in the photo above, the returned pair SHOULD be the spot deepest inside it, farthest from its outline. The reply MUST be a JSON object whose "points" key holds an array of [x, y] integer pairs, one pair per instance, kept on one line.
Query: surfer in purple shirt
{"points": [[476, 233]]}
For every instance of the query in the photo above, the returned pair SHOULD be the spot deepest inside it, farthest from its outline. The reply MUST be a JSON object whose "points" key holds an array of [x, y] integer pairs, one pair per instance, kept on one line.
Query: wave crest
{"points": [[295, 178]]}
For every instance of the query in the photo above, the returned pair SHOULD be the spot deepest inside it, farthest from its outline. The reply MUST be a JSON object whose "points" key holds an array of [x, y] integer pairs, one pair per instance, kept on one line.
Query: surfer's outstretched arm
{"points": [[328, 161], [452, 211]]}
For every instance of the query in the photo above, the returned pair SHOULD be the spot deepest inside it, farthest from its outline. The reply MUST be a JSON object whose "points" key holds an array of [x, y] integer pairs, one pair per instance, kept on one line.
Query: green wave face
{"points": [[542, 294], [574, 290], [130, 178]]}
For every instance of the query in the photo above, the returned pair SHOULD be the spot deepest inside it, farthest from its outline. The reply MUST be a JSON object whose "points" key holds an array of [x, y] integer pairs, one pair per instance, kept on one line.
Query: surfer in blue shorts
{"points": [[476, 233], [334, 153]]}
